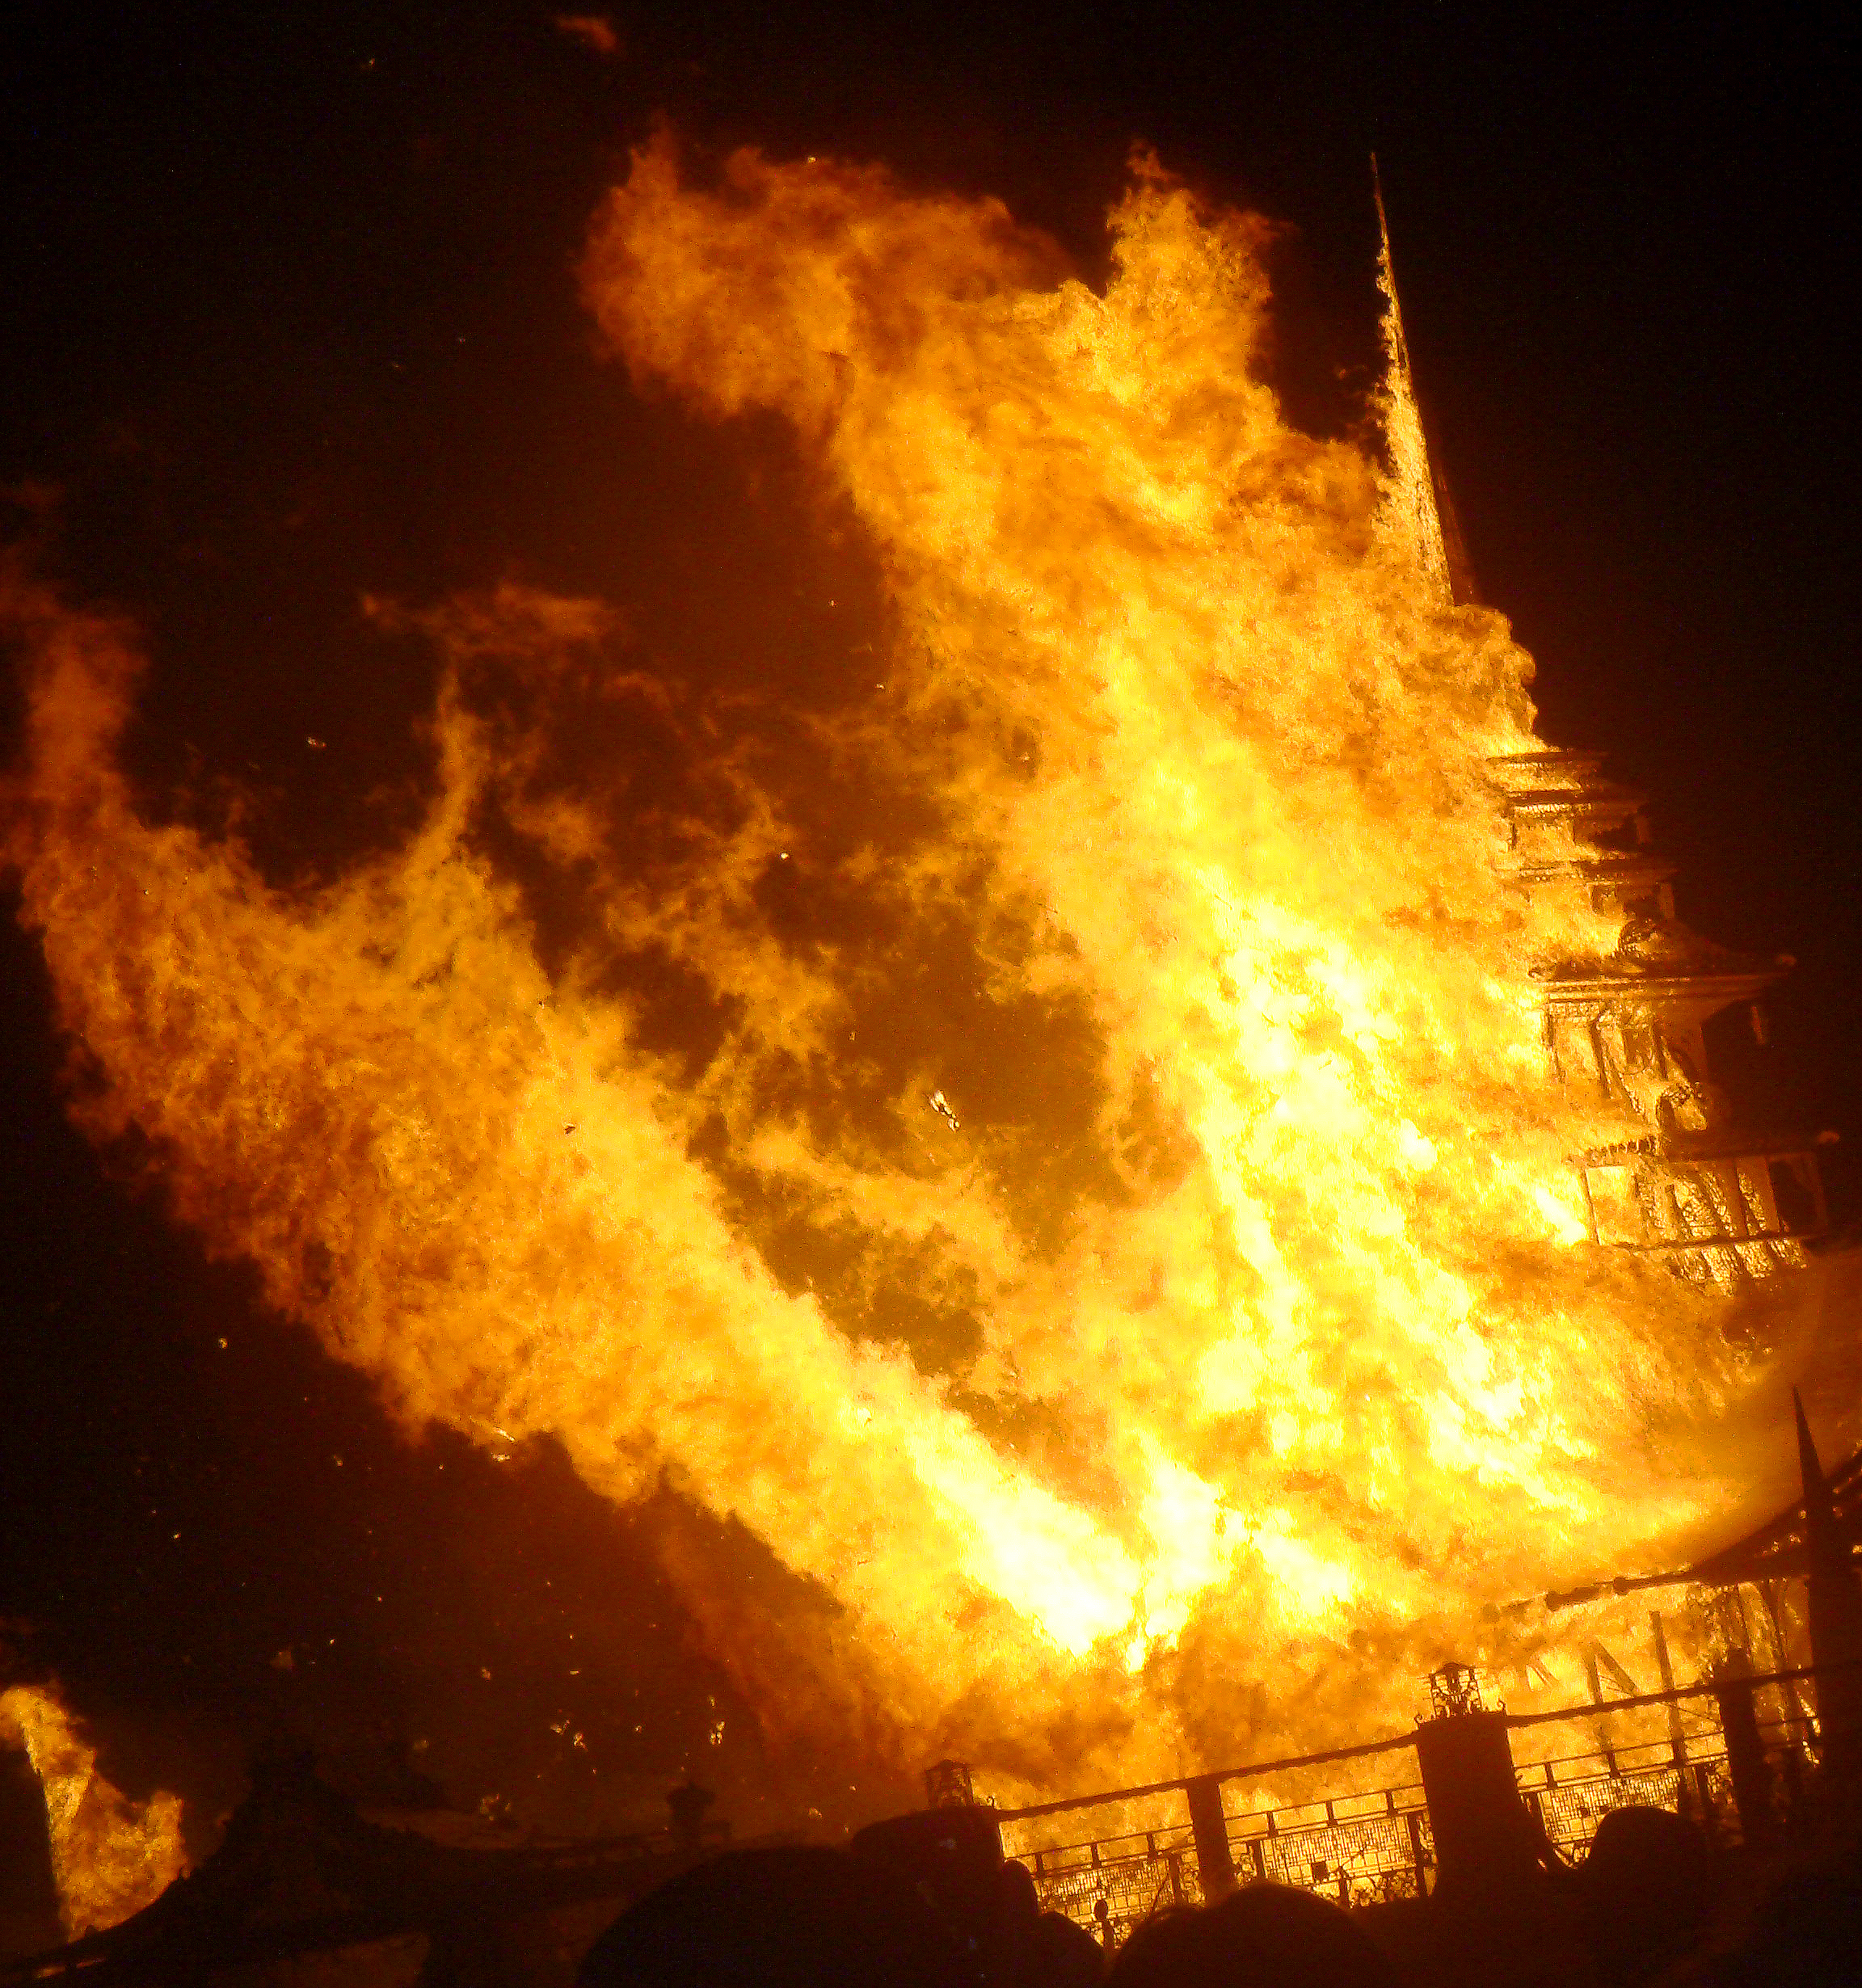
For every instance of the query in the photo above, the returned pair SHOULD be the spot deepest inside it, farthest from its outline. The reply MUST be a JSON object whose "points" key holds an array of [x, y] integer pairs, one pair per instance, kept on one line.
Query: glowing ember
{"points": [[1115, 1239], [111, 1856]]}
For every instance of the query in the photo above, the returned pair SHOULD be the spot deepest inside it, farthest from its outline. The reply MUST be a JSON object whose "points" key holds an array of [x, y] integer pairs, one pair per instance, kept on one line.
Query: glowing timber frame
{"points": [[1714, 1199]]}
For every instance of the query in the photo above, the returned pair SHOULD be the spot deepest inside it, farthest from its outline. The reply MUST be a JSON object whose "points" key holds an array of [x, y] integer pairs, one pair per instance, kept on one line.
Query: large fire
{"points": [[1108, 1230]]}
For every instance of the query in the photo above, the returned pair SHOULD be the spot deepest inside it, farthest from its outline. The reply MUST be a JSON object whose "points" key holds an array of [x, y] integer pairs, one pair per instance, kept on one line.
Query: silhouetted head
{"points": [[1265, 1936], [1017, 1903], [777, 1918], [1807, 1931], [1065, 1954], [952, 1856], [1646, 1889]]}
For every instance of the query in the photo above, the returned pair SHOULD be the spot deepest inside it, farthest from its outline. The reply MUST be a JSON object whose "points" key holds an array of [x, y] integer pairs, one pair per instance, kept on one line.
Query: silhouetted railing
{"points": [[1354, 1849], [1361, 1849], [1357, 1849], [1130, 1876], [1689, 1777]]}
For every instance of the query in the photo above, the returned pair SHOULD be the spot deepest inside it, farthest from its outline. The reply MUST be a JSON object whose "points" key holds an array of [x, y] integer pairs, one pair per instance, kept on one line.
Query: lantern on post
{"points": [[948, 1785]]}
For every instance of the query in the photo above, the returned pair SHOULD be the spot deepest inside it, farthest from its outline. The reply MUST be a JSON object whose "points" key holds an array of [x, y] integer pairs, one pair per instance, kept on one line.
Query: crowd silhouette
{"points": [[1655, 1904]]}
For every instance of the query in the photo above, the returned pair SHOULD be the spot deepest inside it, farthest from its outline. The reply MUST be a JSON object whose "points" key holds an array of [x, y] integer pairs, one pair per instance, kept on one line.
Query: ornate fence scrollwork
{"points": [[1366, 1849]]}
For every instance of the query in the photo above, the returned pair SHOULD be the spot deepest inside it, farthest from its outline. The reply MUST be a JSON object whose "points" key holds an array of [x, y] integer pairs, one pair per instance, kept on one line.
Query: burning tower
{"points": [[1717, 1199]]}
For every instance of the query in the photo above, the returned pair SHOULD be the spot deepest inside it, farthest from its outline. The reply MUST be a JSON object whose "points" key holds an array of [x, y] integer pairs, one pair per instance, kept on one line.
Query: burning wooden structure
{"points": [[1717, 1199], [1309, 1065]]}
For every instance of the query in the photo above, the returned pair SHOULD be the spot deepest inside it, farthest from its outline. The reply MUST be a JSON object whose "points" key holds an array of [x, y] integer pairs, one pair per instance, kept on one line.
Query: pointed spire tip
{"points": [[1816, 1501]]}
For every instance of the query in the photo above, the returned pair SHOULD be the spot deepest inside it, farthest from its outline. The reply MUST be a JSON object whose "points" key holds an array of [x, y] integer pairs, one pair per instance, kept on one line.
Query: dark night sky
{"points": [[290, 316]]}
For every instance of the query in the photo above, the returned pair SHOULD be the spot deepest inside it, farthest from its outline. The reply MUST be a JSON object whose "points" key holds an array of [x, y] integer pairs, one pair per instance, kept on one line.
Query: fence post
{"points": [[1832, 1597], [1746, 1761], [1210, 1833], [1418, 1863], [1484, 1842], [1704, 1793]]}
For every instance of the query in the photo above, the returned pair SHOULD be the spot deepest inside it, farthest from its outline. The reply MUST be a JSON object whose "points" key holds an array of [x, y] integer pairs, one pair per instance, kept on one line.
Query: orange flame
{"points": [[1156, 1024], [111, 1856]]}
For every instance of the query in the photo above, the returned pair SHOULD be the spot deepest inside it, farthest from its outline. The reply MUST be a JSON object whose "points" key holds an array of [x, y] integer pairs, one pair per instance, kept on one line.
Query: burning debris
{"points": [[302, 1878], [110, 1857]]}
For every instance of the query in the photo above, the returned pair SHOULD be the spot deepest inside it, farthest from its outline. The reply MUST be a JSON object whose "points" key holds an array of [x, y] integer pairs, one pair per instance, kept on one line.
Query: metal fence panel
{"points": [[1363, 1849]]}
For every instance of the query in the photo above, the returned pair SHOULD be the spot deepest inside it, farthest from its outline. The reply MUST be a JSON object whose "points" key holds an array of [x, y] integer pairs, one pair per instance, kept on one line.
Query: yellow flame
{"points": [[1275, 1360]]}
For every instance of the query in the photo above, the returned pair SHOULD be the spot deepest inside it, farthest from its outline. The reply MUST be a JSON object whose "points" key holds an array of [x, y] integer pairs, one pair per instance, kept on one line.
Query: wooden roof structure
{"points": [[1779, 1547]]}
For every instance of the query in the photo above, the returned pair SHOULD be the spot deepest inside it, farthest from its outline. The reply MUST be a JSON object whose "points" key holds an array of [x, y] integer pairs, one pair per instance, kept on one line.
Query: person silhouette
{"points": [[1263, 1936], [785, 1918], [1645, 1891]]}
